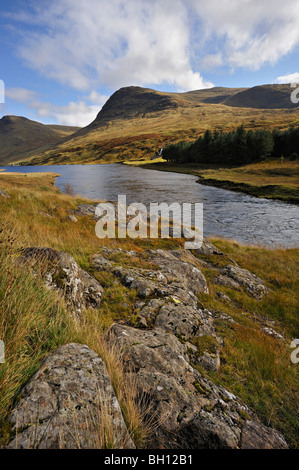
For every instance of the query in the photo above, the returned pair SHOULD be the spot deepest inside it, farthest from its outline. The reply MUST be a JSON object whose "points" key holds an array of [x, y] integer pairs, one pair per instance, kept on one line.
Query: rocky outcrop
{"points": [[166, 342], [236, 277], [69, 403], [4, 194], [174, 275], [62, 273], [190, 411]]}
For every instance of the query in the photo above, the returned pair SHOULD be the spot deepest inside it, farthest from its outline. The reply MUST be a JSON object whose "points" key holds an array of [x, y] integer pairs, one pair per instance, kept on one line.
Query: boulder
{"points": [[186, 410], [176, 275], [257, 436], [236, 277], [4, 194], [69, 403], [62, 273]]}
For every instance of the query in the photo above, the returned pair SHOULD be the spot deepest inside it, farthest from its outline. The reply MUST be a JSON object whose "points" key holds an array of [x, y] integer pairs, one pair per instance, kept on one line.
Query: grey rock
{"points": [[257, 436], [270, 332], [189, 410], [207, 248], [234, 276], [72, 218], [4, 194], [62, 273], [67, 403], [174, 276]]}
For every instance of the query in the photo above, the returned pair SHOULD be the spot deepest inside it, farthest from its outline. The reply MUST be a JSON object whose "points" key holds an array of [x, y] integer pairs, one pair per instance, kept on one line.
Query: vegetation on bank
{"points": [[237, 147], [34, 321], [271, 178]]}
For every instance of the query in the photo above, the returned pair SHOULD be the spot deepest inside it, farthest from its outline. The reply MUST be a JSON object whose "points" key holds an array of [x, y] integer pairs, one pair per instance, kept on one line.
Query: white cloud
{"points": [[100, 44], [21, 95], [250, 33], [116, 43], [78, 113], [291, 78]]}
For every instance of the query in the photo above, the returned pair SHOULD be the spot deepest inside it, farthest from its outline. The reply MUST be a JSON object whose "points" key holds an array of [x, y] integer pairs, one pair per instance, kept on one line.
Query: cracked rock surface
{"points": [[65, 402]]}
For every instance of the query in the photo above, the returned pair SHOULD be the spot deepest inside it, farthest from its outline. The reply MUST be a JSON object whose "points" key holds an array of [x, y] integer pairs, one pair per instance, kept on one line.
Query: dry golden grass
{"points": [[34, 321]]}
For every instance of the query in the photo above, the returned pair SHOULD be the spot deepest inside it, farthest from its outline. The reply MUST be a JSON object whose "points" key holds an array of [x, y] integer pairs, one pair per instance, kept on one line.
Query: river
{"points": [[227, 214]]}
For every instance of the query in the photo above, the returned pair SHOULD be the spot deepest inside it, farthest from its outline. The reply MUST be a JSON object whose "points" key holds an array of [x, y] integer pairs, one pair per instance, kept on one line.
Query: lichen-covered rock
{"points": [[176, 274], [257, 436], [190, 411], [270, 332], [4, 194], [69, 403], [62, 273], [234, 276]]}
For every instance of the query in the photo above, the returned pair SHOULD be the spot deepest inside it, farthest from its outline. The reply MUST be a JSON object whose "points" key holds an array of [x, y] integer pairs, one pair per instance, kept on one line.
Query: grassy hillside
{"points": [[20, 137], [33, 321], [135, 122]]}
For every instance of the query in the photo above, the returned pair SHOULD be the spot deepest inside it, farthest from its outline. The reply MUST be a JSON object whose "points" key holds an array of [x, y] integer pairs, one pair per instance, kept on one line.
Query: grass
{"points": [[34, 321], [271, 179], [254, 366]]}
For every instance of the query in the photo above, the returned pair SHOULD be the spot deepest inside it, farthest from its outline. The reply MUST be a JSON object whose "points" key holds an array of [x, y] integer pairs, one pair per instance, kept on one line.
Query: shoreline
{"points": [[267, 191]]}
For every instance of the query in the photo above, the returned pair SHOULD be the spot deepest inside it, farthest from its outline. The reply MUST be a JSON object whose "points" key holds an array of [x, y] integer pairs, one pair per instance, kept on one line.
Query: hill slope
{"points": [[266, 97], [135, 122], [21, 137]]}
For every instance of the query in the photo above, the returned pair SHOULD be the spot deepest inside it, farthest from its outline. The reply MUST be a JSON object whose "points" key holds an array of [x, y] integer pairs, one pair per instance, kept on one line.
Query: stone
{"points": [[257, 436], [174, 276], [72, 218], [4, 194], [62, 273], [270, 332], [68, 404], [234, 276], [187, 410]]}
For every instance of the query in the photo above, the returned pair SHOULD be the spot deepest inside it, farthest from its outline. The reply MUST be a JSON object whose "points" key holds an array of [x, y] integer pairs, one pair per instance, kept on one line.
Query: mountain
{"points": [[135, 122], [21, 138], [266, 97]]}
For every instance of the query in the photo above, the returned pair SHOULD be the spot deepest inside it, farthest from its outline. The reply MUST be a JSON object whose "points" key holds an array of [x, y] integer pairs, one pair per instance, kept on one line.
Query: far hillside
{"points": [[136, 122], [21, 138]]}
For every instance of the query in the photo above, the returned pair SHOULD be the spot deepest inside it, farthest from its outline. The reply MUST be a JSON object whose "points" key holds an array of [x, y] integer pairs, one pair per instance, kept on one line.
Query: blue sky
{"points": [[62, 59]]}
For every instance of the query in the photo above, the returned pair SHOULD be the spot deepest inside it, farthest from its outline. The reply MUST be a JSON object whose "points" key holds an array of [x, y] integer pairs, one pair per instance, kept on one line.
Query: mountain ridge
{"points": [[135, 122]]}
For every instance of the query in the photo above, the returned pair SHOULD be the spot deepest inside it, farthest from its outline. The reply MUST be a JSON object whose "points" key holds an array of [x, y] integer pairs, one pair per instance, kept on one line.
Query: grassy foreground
{"points": [[34, 321], [271, 179]]}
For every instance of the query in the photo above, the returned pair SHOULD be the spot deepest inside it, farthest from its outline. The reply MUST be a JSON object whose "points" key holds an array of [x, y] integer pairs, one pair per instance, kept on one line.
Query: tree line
{"points": [[236, 147]]}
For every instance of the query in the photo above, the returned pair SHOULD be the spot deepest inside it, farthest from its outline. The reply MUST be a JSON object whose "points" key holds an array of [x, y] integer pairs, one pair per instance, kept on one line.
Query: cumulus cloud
{"points": [[250, 33], [76, 113], [116, 43], [99, 44], [21, 95], [291, 78]]}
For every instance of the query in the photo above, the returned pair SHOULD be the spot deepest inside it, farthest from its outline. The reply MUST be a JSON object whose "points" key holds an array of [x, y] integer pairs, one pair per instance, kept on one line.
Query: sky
{"points": [[62, 59]]}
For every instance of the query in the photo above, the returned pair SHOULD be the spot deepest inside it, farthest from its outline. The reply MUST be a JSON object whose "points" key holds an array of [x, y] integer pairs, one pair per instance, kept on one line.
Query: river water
{"points": [[228, 214]]}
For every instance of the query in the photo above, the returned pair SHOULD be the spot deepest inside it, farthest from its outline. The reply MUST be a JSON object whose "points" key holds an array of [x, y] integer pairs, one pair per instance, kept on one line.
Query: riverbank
{"points": [[271, 179], [250, 363]]}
